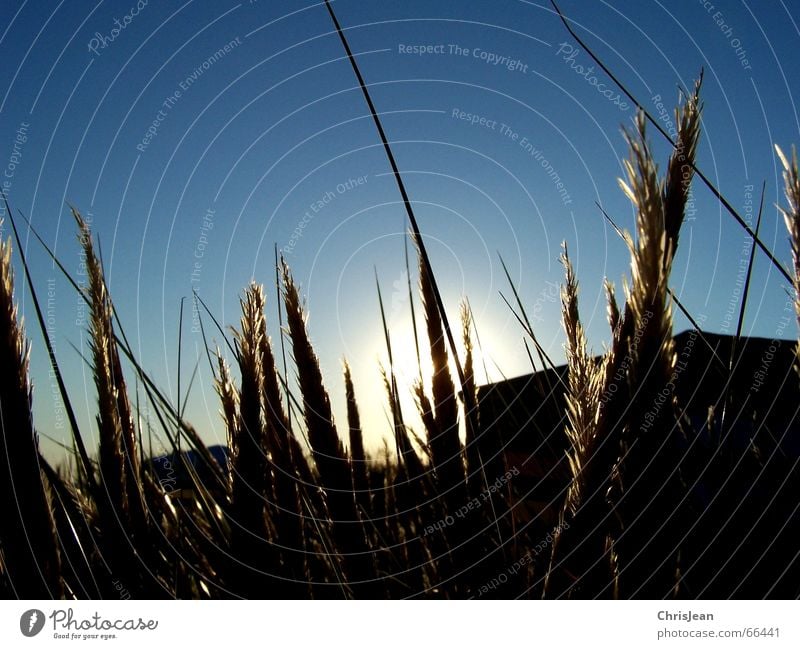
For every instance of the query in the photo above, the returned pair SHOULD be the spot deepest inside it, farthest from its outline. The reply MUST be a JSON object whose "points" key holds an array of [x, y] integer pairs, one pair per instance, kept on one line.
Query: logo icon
{"points": [[31, 622]]}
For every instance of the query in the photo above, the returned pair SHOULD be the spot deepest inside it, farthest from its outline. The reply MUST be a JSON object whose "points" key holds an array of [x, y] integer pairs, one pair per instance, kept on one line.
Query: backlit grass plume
{"points": [[328, 452], [443, 440], [287, 462], [30, 564], [583, 396], [649, 470], [252, 487], [229, 402], [622, 412], [475, 469], [358, 457], [579, 565], [119, 455], [791, 215], [680, 170]]}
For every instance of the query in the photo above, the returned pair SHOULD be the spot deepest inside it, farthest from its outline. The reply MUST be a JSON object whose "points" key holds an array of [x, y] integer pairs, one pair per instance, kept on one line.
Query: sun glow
{"points": [[410, 364]]}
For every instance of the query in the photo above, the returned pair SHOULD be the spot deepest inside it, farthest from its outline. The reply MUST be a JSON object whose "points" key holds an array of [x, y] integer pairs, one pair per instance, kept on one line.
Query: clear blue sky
{"points": [[193, 163]]}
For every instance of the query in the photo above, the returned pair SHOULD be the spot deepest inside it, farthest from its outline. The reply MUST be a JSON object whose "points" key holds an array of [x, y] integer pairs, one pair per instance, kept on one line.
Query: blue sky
{"points": [[199, 135]]}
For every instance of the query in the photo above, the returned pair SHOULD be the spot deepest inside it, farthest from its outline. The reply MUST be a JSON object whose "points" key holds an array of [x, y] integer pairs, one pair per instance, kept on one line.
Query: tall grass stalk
{"points": [[791, 215], [30, 563], [629, 431], [446, 450], [123, 504], [252, 489], [358, 457], [330, 459]]}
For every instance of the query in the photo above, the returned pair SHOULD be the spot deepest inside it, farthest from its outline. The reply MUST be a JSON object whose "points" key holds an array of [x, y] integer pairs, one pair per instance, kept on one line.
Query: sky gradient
{"points": [[198, 136]]}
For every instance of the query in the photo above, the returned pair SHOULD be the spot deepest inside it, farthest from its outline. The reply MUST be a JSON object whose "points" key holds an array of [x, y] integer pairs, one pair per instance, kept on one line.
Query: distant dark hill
{"points": [[172, 474], [523, 418]]}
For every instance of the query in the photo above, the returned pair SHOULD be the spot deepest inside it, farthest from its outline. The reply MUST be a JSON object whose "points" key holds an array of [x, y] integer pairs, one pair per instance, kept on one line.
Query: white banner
{"points": [[400, 625]]}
